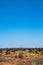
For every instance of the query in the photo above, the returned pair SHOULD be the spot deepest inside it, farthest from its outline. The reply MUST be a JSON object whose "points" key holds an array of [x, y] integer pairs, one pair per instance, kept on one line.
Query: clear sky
{"points": [[21, 23]]}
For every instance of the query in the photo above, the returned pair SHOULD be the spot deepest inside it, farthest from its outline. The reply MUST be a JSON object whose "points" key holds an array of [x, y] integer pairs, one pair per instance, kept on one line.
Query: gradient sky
{"points": [[21, 23]]}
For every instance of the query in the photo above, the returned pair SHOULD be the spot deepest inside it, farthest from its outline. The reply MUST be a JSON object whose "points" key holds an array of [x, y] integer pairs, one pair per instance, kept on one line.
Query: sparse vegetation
{"points": [[31, 56], [0, 50], [38, 61], [7, 52], [15, 56], [42, 53], [20, 55]]}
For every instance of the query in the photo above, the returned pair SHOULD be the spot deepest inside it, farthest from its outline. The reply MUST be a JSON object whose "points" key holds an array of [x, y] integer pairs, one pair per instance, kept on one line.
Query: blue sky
{"points": [[21, 22]]}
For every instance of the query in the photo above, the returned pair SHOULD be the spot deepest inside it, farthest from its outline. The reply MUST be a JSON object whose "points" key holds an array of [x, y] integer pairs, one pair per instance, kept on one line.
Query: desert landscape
{"points": [[21, 56], [21, 32]]}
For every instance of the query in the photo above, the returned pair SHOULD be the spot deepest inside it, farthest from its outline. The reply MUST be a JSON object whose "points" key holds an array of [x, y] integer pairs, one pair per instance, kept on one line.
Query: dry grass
{"points": [[21, 56]]}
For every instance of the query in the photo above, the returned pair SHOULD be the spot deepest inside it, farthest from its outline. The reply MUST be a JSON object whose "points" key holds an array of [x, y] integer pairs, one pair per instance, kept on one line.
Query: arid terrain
{"points": [[21, 56]]}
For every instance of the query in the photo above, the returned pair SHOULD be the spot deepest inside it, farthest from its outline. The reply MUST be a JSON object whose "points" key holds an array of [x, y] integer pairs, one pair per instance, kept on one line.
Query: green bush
{"points": [[20, 56], [0, 50]]}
